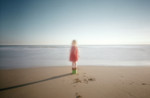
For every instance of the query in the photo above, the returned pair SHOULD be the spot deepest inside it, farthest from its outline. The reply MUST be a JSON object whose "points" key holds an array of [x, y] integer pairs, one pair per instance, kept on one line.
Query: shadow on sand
{"points": [[30, 83]]}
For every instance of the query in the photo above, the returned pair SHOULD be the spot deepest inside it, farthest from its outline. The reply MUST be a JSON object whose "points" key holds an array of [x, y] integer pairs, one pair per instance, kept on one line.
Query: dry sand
{"points": [[90, 82]]}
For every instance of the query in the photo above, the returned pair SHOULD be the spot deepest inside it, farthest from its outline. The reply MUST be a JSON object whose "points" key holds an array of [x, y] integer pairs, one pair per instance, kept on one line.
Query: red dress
{"points": [[74, 54]]}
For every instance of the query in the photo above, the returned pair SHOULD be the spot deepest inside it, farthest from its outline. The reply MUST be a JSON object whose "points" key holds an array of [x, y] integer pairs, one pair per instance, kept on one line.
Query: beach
{"points": [[89, 82]]}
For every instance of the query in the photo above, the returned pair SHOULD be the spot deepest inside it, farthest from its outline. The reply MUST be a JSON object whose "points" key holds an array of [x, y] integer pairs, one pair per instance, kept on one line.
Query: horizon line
{"points": [[66, 44]]}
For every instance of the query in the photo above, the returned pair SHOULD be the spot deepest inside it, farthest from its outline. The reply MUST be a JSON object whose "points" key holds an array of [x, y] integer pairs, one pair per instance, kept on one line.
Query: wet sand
{"points": [[90, 82]]}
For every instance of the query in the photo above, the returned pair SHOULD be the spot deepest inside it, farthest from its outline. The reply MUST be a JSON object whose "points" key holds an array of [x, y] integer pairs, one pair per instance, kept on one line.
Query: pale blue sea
{"points": [[26, 56]]}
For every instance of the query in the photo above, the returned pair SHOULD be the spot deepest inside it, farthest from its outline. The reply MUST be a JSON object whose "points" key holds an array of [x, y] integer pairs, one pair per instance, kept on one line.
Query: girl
{"points": [[74, 56]]}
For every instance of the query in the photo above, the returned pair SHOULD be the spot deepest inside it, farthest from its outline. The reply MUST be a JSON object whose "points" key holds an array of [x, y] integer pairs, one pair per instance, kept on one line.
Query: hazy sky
{"points": [[87, 21]]}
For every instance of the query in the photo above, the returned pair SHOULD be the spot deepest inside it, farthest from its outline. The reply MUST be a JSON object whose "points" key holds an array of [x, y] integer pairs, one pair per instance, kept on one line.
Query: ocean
{"points": [[26, 56]]}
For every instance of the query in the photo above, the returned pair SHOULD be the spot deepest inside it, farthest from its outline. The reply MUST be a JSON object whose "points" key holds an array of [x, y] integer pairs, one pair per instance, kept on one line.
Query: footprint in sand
{"points": [[85, 81], [78, 96], [91, 79], [131, 83], [84, 75], [77, 80], [74, 86], [145, 84]]}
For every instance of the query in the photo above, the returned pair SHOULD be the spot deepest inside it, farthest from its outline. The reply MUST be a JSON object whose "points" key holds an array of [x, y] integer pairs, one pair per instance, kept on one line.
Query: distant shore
{"points": [[90, 82]]}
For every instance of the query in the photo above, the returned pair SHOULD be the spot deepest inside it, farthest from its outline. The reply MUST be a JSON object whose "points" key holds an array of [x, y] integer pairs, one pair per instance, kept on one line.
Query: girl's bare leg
{"points": [[74, 65]]}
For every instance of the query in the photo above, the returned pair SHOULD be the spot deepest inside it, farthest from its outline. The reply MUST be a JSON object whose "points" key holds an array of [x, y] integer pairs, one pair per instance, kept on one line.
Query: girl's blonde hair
{"points": [[74, 43]]}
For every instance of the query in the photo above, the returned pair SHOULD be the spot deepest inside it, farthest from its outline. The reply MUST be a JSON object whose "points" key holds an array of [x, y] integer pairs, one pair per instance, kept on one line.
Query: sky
{"points": [[90, 22]]}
